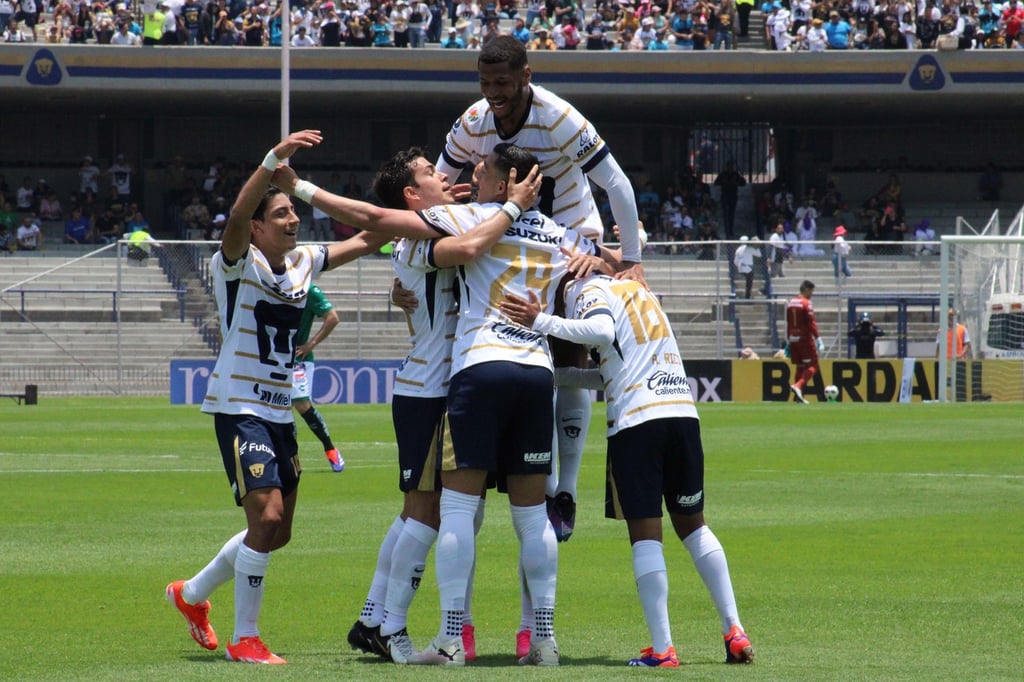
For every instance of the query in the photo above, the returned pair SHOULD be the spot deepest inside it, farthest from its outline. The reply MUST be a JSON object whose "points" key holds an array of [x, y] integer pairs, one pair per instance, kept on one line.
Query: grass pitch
{"points": [[866, 542]]}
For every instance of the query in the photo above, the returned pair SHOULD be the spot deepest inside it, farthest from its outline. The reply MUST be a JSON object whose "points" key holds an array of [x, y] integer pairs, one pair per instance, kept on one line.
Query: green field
{"points": [[874, 542]]}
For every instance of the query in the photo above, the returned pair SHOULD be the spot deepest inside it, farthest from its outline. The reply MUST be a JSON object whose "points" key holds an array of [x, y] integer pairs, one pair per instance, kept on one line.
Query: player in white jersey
{"points": [[654, 444], [260, 282], [571, 153], [499, 398], [426, 269]]}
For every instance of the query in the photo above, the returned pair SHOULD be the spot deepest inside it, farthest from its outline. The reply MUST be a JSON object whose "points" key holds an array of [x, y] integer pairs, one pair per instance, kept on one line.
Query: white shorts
{"points": [[302, 381]]}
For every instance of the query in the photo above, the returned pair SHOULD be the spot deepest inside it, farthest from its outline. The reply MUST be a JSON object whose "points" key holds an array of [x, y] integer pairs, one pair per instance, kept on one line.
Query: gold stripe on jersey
{"points": [[651, 406], [417, 384]]}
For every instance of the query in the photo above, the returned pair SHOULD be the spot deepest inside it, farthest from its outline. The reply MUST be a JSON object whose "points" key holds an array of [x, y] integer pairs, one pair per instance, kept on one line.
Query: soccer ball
{"points": [[831, 393]]}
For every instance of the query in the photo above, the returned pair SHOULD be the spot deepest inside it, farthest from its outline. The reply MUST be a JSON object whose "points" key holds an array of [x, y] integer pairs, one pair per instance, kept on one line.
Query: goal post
{"points": [[982, 284]]}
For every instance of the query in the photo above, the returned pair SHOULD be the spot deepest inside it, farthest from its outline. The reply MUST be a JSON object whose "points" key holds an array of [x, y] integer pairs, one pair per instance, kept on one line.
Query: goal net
{"points": [[982, 286]]}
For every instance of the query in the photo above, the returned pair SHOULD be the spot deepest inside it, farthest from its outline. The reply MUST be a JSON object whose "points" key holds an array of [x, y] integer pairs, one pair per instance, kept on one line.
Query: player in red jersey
{"points": [[803, 339]]}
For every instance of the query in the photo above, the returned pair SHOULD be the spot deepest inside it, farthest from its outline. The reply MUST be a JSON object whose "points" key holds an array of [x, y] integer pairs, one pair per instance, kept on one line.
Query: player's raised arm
{"points": [[237, 234]]}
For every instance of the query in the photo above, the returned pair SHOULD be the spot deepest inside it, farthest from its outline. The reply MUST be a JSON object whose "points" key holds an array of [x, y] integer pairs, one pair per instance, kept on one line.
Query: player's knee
{"points": [[685, 524]]}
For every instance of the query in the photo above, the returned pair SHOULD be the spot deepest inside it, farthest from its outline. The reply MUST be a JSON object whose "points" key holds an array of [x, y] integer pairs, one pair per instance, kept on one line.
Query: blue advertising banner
{"points": [[334, 381]]}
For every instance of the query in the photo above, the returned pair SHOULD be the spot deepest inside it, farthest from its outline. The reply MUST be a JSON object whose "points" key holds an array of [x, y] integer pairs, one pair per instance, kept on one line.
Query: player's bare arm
{"points": [[361, 214], [330, 321], [357, 246]]}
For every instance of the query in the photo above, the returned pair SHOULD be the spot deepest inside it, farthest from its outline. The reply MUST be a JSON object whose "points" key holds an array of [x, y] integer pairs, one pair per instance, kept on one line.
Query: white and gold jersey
{"points": [[565, 143], [259, 313], [641, 368], [528, 257], [428, 366]]}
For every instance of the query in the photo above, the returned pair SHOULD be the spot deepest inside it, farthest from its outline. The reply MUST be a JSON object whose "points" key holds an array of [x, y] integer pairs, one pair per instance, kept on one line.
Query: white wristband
{"points": [[304, 189], [270, 161], [512, 210]]}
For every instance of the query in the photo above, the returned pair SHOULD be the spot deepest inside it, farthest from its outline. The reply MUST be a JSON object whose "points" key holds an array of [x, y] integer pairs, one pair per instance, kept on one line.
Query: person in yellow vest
{"points": [[153, 25], [140, 244]]}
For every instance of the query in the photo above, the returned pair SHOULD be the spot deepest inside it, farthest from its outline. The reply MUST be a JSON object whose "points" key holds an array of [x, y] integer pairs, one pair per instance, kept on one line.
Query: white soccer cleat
{"points": [[400, 647], [542, 652], [442, 651]]}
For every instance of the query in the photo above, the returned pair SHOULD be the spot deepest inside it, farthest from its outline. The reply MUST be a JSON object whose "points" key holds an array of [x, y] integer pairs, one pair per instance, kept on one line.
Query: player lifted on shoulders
{"points": [[570, 151]]}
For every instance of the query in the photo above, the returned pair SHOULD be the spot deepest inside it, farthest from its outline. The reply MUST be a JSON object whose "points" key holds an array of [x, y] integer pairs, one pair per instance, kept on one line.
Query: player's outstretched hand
{"points": [[524, 192], [296, 141], [402, 297], [519, 311]]}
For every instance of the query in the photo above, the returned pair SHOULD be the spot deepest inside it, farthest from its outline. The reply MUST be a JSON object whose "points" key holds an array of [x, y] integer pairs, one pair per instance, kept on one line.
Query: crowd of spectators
{"points": [[791, 25], [892, 25]]}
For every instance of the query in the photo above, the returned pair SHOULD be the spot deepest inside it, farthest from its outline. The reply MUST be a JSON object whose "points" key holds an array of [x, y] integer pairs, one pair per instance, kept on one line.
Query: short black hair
{"points": [[509, 156], [807, 284], [261, 208], [394, 176], [503, 49]]}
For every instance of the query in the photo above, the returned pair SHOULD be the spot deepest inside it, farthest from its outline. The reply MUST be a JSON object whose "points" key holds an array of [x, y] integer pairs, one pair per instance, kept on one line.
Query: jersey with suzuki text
{"points": [[259, 313], [528, 257], [426, 369], [565, 143], [641, 367]]}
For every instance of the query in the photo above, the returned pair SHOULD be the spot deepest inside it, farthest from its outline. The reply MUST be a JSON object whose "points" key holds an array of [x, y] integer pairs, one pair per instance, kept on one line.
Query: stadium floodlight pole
{"points": [[941, 386], [286, 40]]}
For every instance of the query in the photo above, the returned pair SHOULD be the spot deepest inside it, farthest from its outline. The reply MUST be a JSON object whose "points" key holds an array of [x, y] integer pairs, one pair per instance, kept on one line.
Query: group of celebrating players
{"points": [[504, 295]]}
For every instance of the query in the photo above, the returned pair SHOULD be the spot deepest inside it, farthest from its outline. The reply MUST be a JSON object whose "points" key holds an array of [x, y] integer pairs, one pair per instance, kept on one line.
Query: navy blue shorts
{"points": [[501, 417], [419, 432], [257, 454], [655, 460]]}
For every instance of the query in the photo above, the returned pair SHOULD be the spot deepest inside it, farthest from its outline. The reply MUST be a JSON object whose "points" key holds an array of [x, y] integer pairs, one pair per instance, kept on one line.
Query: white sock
{"points": [[709, 558], [408, 561], [220, 570], [478, 522], [572, 421], [250, 570], [538, 556], [652, 587], [373, 608], [453, 558]]}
